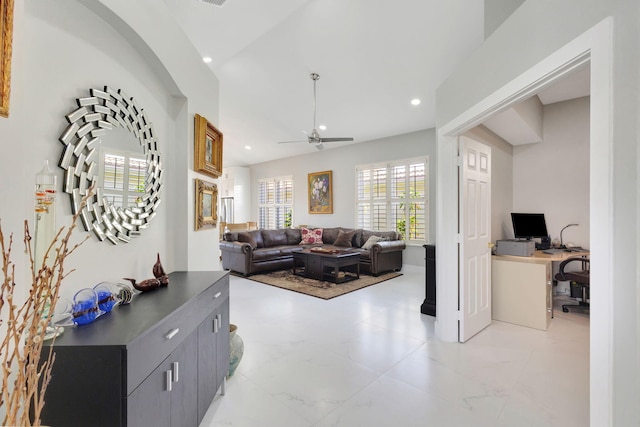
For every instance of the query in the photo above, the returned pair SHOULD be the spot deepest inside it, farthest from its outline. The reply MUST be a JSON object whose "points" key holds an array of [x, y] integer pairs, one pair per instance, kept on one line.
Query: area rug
{"points": [[326, 290]]}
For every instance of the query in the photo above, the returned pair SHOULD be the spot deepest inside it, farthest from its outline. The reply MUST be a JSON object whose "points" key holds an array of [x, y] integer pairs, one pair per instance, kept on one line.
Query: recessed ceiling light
{"points": [[207, 59], [322, 127], [247, 147], [415, 101]]}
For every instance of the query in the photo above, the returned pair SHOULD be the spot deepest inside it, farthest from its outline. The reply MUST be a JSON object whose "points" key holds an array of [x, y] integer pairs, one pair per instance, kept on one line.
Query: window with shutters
{"points": [[394, 196], [275, 202], [123, 177]]}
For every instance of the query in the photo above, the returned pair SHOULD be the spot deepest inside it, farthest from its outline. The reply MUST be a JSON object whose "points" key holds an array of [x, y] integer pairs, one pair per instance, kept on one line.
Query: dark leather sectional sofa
{"points": [[250, 252]]}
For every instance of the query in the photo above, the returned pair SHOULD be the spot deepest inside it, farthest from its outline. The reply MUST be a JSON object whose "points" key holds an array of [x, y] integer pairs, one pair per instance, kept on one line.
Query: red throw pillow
{"points": [[311, 236]]}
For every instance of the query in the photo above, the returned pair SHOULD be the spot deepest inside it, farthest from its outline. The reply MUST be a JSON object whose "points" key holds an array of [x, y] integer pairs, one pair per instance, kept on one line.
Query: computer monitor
{"points": [[529, 225]]}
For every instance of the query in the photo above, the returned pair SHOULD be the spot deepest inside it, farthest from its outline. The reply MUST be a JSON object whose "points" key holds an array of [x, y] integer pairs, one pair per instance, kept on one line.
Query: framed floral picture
{"points": [[320, 188], [208, 148], [206, 204]]}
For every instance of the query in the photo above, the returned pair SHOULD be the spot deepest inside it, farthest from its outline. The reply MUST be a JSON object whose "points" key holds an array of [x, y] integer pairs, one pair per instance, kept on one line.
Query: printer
{"points": [[515, 247]]}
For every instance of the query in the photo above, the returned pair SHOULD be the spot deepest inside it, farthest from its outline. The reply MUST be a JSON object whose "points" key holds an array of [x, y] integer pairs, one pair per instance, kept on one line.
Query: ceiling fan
{"points": [[314, 137]]}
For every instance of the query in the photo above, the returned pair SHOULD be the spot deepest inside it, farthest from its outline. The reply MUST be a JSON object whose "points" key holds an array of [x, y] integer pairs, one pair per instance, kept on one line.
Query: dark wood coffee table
{"points": [[326, 265]]}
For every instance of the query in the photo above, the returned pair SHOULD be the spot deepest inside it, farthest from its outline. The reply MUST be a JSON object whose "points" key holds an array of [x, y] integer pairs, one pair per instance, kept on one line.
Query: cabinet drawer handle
{"points": [[172, 333], [175, 368], [169, 379], [217, 295], [217, 323]]}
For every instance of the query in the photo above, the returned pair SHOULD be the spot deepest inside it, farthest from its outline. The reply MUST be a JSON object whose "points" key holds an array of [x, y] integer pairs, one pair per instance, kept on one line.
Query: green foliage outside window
{"points": [[401, 223], [287, 219]]}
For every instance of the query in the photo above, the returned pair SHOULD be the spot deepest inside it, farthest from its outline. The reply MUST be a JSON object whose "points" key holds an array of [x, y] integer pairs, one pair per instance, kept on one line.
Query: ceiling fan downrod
{"points": [[314, 137], [315, 77]]}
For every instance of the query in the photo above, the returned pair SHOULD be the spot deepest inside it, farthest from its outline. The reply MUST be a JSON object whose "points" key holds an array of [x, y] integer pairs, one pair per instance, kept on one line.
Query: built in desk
{"points": [[522, 288]]}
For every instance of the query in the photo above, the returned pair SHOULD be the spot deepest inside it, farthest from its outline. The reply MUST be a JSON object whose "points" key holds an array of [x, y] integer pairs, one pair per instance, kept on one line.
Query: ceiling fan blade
{"points": [[290, 142], [314, 137], [335, 139]]}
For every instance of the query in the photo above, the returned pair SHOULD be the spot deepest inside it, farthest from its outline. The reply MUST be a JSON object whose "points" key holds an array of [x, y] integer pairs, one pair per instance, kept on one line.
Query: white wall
{"points": [[56, 76], [496, 12], [552, 177], [342, 161], [61, 50], [151, 28], [236, 182], [534, 32]]}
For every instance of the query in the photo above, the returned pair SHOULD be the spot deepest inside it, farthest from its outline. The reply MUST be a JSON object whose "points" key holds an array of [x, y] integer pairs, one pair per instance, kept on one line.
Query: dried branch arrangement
{"points": [[24, 376]]}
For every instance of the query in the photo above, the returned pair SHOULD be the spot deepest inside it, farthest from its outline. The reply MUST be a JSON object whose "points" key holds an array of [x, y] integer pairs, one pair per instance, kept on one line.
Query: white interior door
{"points": [[475, 237]]}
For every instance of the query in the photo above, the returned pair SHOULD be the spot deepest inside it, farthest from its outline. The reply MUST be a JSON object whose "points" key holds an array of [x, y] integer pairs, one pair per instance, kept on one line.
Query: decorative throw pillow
{"points": [[344, 238], [372, 241], [311, 236]]}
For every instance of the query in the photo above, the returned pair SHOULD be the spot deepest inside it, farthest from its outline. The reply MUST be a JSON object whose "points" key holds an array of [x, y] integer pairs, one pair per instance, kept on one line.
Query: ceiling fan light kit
{"points": [[314, 137]]}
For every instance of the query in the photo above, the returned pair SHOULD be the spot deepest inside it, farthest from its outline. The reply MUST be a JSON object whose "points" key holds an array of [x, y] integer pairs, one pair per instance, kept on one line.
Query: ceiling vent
{"points": [[215, 2]]}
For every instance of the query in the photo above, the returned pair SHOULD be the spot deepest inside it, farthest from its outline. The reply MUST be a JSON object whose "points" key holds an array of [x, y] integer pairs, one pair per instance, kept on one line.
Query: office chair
{"points": [[578, 279]]}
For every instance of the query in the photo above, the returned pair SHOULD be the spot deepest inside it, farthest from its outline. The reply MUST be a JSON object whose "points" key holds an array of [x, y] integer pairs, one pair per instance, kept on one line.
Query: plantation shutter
{"points": [[123, 178], [275, 201], [393, 196]]}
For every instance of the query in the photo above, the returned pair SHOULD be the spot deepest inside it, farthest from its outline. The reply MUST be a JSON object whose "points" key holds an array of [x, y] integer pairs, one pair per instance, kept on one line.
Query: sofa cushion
{"points": [[365, 256], [345, 238], [330, 234], [311, 236], [274, 238], [288, 250], [247, 238], [257, 235], [357, 239], [293, 236], [266, 254]]}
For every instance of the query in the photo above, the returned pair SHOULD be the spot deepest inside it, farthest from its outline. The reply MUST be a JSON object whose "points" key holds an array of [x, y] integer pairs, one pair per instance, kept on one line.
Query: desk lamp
{"points": [[562, 246]]}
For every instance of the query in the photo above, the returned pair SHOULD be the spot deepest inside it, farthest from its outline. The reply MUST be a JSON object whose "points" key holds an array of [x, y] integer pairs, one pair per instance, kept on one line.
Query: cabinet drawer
{"points": [[212, 298], [144, 354]]}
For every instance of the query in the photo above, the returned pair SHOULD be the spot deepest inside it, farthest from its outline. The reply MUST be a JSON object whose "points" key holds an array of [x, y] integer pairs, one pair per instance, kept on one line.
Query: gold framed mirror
{"points": [[207, 148], [206, 204]]}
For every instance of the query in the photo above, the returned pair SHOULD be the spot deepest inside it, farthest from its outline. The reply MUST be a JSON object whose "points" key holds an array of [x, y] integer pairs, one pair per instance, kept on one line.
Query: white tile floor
{"points": [[370, 358]]}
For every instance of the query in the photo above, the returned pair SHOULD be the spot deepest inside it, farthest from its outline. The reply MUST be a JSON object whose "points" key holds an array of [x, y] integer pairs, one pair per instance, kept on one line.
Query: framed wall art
{"points": [[208, 148], [6, 38], [206, 205], [320, 189]]}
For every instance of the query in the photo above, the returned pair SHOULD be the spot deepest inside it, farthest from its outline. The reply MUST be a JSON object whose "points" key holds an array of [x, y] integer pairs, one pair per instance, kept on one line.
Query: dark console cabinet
{"points": [[156, 362], [212, 342], [429, 304]]}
